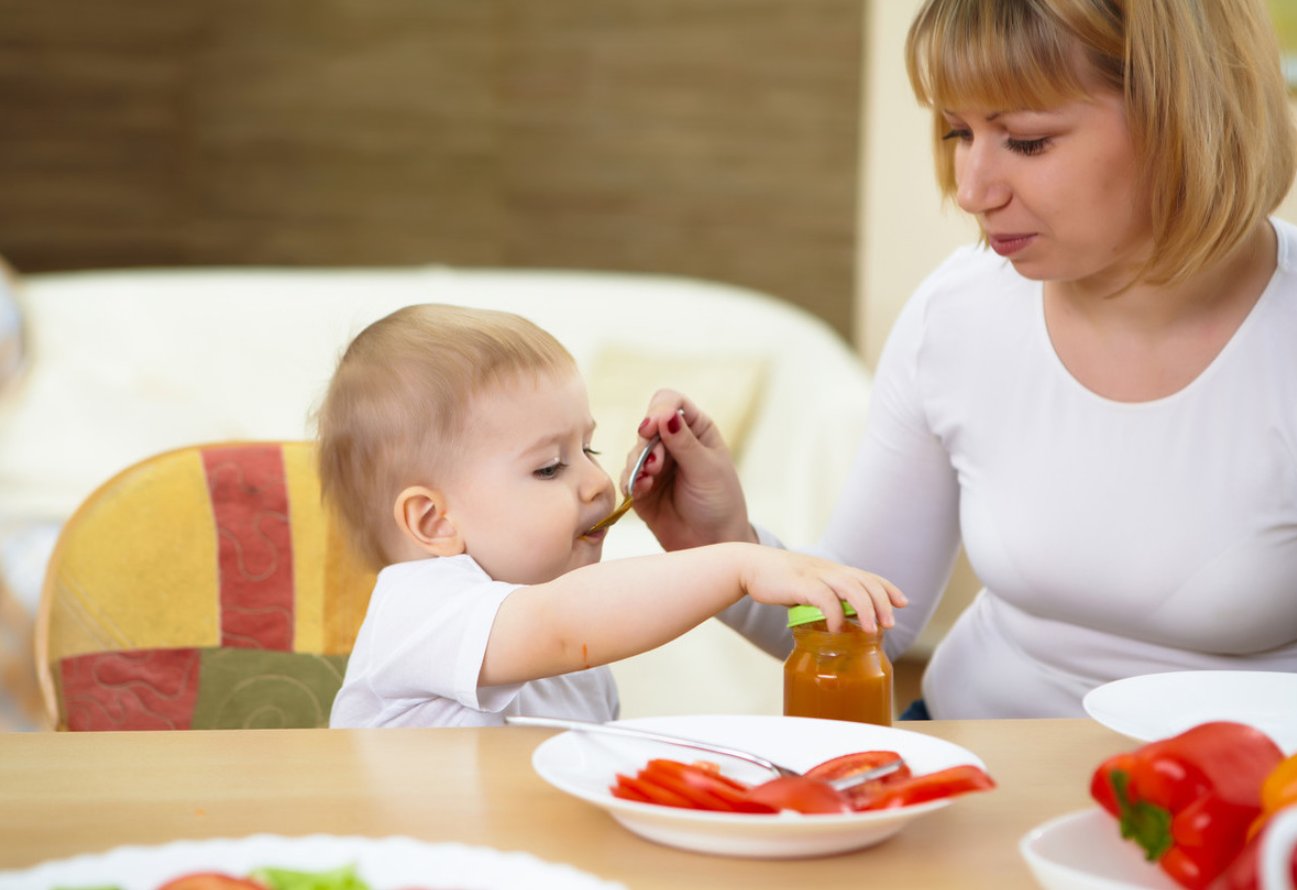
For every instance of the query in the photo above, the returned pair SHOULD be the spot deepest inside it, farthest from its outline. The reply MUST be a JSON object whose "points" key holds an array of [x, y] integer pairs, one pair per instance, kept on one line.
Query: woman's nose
{"points": [[979, 183]]}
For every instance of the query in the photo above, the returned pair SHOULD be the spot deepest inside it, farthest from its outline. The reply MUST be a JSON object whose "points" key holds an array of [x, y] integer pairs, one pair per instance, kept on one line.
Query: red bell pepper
{"points": [[1189, 800], [1278, 791]]}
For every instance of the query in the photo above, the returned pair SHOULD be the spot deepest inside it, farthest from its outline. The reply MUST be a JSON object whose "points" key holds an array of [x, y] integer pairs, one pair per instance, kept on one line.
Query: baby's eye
{"points": [[549, 471], [590, 452]]}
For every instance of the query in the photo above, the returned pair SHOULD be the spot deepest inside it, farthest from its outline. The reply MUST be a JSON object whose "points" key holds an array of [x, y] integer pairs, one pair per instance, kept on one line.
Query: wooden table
{"points": [[64, 793]]}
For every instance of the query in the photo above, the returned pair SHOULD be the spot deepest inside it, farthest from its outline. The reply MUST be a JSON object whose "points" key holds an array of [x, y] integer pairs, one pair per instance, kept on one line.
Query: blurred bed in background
{"points": [[119, 365]]}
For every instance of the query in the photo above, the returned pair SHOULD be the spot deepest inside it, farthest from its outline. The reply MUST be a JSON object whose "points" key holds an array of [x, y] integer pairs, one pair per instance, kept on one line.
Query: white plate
{"points": [[1085, 851], [385, 863], [1155, 706], [585, 765]]}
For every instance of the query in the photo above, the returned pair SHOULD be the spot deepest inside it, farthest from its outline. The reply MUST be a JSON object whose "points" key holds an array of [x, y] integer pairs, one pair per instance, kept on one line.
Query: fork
{"points": [[630, 490], [634, 732]]}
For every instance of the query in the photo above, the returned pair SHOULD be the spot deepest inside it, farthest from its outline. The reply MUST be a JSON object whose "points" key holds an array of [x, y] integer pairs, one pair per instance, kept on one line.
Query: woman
{"points": [[1101, 398]]}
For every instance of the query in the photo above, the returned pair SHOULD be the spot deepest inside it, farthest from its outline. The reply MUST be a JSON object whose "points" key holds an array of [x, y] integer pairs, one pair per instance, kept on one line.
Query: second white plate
{"points": [[585, 765], [1155, 706], [385, 863]]}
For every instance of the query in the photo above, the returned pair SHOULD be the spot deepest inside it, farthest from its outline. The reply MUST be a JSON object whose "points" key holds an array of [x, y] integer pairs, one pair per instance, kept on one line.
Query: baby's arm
{"points": [[608, 611]]}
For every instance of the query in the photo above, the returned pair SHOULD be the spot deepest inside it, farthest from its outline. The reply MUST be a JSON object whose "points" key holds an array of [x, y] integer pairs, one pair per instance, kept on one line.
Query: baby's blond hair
{"points": [[401, 397]]}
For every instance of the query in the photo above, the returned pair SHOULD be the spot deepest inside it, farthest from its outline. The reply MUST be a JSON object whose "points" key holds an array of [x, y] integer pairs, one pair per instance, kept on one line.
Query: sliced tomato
{"points": [[692, 784], [703, 783], [627, 792], [714, 770], [653, 792], [800, 794], [211, 880], [859, 762], [931, 786]]}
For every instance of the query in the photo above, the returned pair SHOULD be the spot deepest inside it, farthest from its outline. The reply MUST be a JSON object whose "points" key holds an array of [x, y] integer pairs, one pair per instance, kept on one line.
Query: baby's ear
{"points": [[421, 514]]}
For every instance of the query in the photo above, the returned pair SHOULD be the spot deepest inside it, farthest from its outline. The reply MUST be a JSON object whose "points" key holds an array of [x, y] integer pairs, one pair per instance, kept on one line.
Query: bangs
{"points": [[998, 56]]}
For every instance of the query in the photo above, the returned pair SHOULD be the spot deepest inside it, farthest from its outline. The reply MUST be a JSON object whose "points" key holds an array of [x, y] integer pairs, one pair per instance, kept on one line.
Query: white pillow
{"points": [[623, 377]]}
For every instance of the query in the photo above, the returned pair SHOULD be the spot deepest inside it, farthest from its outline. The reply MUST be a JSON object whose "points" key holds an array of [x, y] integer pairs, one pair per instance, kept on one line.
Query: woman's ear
{"points": [[420, 513]]}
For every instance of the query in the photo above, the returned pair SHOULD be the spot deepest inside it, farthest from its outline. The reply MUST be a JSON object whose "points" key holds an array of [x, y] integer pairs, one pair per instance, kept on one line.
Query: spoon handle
{"points": [[630, 489], [632, 732]]}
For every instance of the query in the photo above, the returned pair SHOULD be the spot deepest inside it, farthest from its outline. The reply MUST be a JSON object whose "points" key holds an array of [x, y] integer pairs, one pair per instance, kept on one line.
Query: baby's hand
{"points": [[781, 577]]}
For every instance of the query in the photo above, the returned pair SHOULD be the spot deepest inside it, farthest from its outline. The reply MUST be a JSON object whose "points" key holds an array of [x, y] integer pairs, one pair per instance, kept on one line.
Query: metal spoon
{"points": [[630, 490], [633, 732]]}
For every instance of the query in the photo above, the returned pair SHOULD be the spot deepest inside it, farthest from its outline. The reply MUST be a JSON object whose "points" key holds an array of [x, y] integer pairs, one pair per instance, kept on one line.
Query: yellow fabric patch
{"points": [[307, 525], [136, 565], [622, 379], [348, 585], [332, 587]]}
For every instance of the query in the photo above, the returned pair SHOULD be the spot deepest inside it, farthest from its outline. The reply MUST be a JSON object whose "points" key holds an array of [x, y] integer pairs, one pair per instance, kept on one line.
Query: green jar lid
{"points": [[806, 614]]}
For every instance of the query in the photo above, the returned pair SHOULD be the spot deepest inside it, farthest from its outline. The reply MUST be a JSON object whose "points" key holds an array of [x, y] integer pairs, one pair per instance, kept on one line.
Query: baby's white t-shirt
{"points": [[419, 653]]}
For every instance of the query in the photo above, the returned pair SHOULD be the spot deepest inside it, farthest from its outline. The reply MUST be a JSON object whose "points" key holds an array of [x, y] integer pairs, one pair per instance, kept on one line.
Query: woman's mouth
{"points": [[1007, 245]]}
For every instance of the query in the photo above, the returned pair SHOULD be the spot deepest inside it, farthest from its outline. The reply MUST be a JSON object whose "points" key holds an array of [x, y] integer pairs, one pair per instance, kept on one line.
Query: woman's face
{"points": [[1057, 192]]}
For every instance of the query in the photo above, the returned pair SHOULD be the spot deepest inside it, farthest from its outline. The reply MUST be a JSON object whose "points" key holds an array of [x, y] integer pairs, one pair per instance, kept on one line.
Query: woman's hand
{"points": [[688, 492]]}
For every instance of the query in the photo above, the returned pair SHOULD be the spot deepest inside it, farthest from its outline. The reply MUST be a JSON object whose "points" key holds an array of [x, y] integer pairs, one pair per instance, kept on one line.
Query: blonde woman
{"points": [[1099, 399]]}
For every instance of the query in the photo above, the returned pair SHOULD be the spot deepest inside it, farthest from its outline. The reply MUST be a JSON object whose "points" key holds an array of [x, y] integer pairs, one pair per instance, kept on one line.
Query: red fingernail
{"points": [[673, 425], [643, 425], [648, 460]]}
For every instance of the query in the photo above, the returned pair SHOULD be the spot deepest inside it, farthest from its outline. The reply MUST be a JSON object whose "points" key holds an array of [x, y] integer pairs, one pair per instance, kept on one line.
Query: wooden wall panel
{"points": [[716, 138], [90, 101], [347, 132]]}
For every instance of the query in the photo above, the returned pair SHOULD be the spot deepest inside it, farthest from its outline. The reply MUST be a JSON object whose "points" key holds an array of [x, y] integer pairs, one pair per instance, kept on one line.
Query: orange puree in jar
{"points": [[837, 676]]}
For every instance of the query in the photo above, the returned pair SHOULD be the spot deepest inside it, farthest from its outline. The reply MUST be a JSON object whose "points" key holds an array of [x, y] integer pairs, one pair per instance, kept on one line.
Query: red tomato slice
{"points": [[859, 762], [932, 786], [712, 769], [654, 793], [211, 880], [704, 784], [800, 794], [691, 784], [626, 792]]}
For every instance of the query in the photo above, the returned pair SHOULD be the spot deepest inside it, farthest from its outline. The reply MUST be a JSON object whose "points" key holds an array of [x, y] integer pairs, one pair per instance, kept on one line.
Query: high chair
{"points": [[202, 588]]}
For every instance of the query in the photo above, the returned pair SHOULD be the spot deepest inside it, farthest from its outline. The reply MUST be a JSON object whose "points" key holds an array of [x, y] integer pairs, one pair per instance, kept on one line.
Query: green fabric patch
{"points": [[264, 689]]}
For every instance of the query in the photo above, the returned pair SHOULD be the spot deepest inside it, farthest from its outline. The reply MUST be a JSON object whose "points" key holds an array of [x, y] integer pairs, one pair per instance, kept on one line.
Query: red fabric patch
{"points": [[250, 506], [143, 689]]}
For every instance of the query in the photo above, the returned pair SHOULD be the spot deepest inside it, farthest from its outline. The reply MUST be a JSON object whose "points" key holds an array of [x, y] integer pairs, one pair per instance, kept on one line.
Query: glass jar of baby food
{"points": [[838, 676]]}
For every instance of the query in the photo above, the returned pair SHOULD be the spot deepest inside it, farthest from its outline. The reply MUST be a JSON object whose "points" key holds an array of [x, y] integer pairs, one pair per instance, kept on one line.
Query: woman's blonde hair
{"points": [[400, 399], [1205, 100]]}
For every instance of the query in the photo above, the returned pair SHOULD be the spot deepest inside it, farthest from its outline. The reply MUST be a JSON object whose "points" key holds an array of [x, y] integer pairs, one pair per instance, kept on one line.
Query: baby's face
{"points": [[526, 486]]}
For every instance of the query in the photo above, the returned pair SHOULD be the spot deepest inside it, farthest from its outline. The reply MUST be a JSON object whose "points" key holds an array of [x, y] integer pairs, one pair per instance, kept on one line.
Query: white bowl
{"points": [[1155, 706], [1085, 851], [585, 765]]}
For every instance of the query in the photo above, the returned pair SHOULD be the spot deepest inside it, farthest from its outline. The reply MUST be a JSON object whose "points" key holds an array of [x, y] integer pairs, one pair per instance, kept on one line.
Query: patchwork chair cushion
{"points": [[203, 588]]}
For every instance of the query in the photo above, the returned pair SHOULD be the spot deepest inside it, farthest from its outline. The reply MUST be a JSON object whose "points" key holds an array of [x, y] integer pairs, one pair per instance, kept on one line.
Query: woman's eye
{"points": [[550, 471], [1027, 147], [957, 133]]}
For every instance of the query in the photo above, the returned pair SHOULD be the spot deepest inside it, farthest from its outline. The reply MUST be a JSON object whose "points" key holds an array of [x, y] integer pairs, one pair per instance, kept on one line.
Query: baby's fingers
{"points": [[873, 598]]}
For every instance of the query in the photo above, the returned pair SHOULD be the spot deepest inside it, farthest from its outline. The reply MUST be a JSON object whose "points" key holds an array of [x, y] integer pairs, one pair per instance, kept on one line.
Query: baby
{"points": [[455, 446]]}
